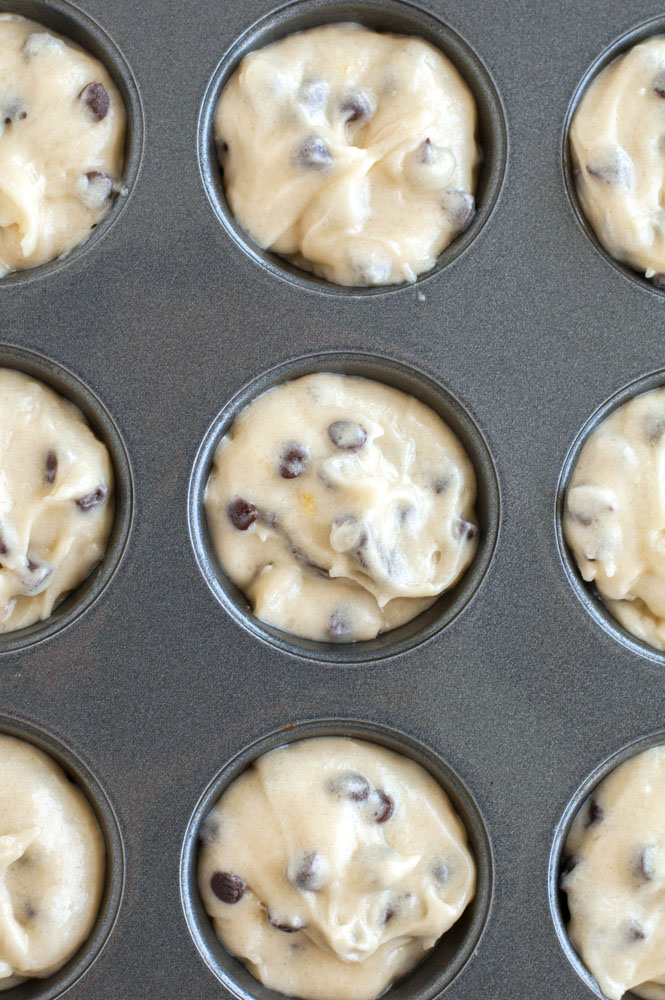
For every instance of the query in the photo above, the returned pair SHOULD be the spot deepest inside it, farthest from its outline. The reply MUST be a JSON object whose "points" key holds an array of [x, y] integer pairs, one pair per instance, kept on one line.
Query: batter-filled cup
{"points": [[349, 152], [342, 507], [62, 136], [332, 866]]}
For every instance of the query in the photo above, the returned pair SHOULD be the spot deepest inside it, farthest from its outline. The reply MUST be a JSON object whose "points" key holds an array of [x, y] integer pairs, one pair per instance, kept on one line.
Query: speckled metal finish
{"points": [[165, 318]]}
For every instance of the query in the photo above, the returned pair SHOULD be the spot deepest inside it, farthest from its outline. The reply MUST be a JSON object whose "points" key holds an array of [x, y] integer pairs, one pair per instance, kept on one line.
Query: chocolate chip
{"points": [[92, 499], [13, 111], [294, 460], [428, 153], [595, 813], [4, 548], [242, 514], [659, 279], [30, 911], [36, 576], [659, 85], [51, 467], [347, 435], [385, 809], [441, 484], [460, 206], [229, 888], [97, 189], [313, 154], [654, 427], [313, 94], [338, 627], [351, 786], [222, 147], [465, 529], [354, 107], [286, 927], [309, 871], [615, 169], [94, 95], [209, 833], [441, 872], [636, 932], [389, 914], [645, 864]]}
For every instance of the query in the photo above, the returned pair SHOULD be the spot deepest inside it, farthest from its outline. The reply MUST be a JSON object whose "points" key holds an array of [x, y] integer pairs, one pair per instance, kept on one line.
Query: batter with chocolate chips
{"points": [[62, 132], [332, 866], [341, 507], [614, 878], [351, 153], [617, 139], [56, 507], [614, 518], [52, 864]]}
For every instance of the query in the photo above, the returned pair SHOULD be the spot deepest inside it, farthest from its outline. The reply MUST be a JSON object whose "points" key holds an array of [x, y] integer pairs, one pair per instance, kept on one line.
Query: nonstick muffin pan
{"points": [[165, 319]]}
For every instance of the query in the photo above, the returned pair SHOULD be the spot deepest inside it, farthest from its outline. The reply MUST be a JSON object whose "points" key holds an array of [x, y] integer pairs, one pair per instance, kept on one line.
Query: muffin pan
{"points": [[160, 684]]}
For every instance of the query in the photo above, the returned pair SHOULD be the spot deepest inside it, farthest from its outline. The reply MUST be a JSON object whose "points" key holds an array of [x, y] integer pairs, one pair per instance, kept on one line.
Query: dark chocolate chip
{"points": [[460, 206], [286, 928], [229, 888], [428, 153], [351, 786], [636, 932], [566, 868], [347, 435], [385, 809], [51, 467], [223, 147], [645, 865], [465, 529], [293, 462], [659, 85], [441, 872], [30, 911], [309, 871], [313, 154], [242, 514], [595, 813], [616, 169], [658, 279], [92, 499], [101, 185], [654, 427], [338, 627], [94, 95], [209, 833], [441, 484], [354, 107], [38, 573], [389, 914], [13, 111], [4, 548]]}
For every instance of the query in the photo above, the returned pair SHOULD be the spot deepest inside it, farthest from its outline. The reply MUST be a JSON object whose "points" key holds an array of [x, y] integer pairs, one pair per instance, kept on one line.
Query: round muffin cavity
{"points": [[613, 874], [52, 864], [617, 140], [332, 866], [341, 507], [614, 515], [62, 132], [351, 153], [56, 506]]}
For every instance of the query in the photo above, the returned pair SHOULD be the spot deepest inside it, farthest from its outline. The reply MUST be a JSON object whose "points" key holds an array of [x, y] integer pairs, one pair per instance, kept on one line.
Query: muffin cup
{"points": [[449, 605], [394, 16], [70, 973], [454, 949], [66, 384]]}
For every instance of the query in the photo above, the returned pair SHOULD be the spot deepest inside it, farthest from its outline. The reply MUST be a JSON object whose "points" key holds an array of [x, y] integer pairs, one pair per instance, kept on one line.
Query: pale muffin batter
{"points": [[52, 864], [351, 153], [332, 866], [614, 877], [614, 519], [56, 511], [617, 140], [62, 132], [341, 507]]}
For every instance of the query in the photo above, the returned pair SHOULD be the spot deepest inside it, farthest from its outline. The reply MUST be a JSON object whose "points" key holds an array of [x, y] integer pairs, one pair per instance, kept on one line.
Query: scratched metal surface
{"points": [[156, 687]]}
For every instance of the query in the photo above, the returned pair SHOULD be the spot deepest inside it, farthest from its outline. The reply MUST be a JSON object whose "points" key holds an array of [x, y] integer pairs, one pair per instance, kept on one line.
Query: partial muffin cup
{"points": [[585, 592], [557, 898], [449, 605], [393, 16], [68, 385], [80, 774], [626, 41], [70, 22], [451, 953]]}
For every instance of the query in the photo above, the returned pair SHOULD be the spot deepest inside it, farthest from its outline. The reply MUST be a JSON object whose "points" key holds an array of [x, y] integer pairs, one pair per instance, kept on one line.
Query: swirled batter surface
{"points": [[617, 140], [56, 511], [52, 864], [341, 507], [351, 153], [62, 131], [614, 519], [332, 866], [614, 878]]}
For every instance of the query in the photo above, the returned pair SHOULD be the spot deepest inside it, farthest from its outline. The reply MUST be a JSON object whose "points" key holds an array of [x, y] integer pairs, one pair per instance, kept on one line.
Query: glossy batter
{"points": [[614, 519], [56, 511], [341, 507], [52, 864], [617, 140], [332, 866], [351, 153], [614, 878], [62, 132]]}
